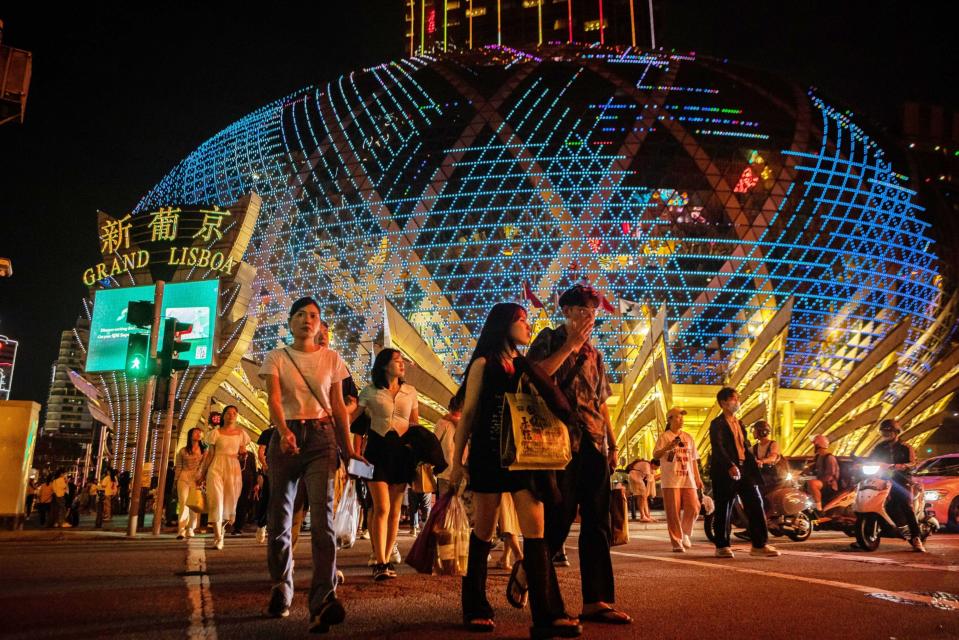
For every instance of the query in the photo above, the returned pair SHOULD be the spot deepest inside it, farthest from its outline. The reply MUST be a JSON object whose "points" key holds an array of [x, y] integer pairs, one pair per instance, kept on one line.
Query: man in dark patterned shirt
{"points": [[578, 369]]}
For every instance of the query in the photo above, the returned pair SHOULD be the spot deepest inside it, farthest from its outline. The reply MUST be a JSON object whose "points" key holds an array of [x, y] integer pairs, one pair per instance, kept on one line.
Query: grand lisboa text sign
{"points": [[175, 236]]}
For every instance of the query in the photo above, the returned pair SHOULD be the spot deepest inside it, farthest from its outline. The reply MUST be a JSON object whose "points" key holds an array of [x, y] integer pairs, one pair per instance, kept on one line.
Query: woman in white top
{"points": [[188, 461], [221, 468], [392, 407], [304, 383], [678, 457]]}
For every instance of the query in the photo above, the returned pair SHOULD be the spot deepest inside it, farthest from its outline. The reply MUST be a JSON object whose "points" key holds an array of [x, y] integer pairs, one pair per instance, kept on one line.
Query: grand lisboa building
{"points": [[743, 230]]}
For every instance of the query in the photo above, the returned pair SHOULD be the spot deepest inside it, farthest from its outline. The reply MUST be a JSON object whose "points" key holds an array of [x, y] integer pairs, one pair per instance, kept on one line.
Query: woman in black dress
{"points": [[493, 371]]}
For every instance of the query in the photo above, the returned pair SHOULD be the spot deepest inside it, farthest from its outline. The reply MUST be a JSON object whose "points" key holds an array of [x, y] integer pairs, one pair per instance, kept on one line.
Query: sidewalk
{"points": [[117, 528], [114, 528]]}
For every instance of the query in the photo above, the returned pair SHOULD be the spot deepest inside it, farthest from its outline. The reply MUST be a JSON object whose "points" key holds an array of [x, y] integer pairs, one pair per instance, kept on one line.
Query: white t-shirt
{"points": [[678, 473], [387, 412], [323, 368]]}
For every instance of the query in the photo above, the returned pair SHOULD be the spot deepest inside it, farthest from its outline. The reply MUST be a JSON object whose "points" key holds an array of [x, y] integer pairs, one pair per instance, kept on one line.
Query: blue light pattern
{"points": [[443, 184]]}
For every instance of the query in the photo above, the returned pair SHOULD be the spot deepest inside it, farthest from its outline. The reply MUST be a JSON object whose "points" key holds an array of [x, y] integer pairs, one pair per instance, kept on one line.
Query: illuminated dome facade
{"points": [[440, 184]]}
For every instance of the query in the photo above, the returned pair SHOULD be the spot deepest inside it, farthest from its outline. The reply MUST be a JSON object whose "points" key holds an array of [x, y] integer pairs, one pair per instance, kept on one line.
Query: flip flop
{"points": [[606, 616], [517, 589]]}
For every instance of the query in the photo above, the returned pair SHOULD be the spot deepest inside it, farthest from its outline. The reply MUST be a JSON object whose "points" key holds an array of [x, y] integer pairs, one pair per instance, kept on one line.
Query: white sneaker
{"points": [[188, 533], [725, 552], [218, 544], [917, 545], [687, 542], [261, 535], [679, 549], [363, 535], [768, 551], [395, 556]]}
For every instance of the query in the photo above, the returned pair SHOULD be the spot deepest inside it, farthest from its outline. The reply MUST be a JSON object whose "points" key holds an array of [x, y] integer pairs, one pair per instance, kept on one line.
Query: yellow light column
{"points": [[539, 11], [786, 423]]}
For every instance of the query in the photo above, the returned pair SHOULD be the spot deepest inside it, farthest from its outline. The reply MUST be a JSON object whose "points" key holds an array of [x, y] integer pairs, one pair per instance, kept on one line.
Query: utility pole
{"points": [[143, 433], [160, 501]]}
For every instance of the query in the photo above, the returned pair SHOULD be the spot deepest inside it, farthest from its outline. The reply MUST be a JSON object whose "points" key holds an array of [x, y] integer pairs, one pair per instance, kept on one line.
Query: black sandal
{"points": [[481, 625], [517, 589], [607, 615], [554, 630]]}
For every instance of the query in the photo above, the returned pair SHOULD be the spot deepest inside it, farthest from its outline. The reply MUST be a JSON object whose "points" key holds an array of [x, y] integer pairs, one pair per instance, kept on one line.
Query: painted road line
{"points": [[844, 557], [202, 621], [871, 591]]}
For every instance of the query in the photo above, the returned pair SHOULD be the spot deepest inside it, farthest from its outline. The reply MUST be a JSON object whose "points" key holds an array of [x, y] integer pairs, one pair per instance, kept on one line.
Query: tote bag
{"points": [[196, 501], [532, 438]]}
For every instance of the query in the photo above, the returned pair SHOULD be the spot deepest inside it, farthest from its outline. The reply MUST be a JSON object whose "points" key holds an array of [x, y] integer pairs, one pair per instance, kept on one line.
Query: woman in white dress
{"points": [[221, 468]]}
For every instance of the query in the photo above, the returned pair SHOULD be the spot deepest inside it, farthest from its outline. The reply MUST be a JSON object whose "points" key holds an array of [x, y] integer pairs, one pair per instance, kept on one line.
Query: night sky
{"points": [[120, 95]]}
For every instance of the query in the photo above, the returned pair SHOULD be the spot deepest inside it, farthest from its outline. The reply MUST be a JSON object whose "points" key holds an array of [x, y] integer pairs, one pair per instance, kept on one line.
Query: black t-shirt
{"points": [[264, 439]]}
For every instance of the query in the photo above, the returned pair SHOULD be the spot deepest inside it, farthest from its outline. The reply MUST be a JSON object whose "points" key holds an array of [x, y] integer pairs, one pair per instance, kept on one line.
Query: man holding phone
{"points": [[677, 454]]}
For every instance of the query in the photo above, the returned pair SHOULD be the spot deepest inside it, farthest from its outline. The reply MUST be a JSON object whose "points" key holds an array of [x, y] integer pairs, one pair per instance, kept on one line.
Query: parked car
{"points": [[939, 477]]}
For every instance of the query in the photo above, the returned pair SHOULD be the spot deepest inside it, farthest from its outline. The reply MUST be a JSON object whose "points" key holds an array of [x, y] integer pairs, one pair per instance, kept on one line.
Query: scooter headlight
{"points": [[934, 495], [789, 476], [870, 469]]}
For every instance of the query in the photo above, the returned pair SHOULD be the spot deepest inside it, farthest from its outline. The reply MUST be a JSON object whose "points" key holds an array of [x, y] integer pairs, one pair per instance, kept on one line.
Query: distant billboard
{"points": [[8, 358], [192, 302]]}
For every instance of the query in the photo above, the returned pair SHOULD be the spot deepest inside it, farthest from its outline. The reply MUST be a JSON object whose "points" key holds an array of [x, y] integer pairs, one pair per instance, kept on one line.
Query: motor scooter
{"points": [[788, 513], [873, 521], [837, 513]]}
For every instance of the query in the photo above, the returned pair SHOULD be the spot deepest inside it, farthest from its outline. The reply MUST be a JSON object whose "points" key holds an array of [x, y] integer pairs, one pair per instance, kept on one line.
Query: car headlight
{"points": [[933, 495]]}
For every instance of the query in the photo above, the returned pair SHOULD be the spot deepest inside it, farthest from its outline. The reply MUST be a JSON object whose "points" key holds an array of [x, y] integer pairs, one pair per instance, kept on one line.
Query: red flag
{"points": [[607, 306], [529, 295]]}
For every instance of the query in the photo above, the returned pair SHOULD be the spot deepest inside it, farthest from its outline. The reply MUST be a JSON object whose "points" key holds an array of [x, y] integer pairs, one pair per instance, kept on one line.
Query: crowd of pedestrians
{"points": [[323, 425]]}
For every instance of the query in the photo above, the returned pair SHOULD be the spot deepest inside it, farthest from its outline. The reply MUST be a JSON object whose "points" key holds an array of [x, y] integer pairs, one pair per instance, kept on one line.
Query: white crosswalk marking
{"points": [[202, 621]]}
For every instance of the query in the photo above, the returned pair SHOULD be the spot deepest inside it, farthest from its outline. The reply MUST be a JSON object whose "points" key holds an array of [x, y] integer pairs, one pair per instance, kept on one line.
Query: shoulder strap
{"points": [[289, 355]]}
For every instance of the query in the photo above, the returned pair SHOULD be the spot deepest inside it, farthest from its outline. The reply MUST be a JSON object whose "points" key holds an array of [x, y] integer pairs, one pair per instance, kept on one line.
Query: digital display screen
{"points": [[191, 302]]}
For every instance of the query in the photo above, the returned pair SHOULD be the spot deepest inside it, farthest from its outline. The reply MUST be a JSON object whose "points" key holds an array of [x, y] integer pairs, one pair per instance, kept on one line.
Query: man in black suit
{"points": [[734, 472]]}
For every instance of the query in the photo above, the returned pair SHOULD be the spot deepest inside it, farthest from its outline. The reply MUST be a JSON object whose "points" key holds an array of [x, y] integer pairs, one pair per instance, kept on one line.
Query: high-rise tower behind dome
{"points": [[441, 25]]}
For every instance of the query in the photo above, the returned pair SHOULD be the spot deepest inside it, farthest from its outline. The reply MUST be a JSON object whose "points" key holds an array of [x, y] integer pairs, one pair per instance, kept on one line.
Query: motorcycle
{"points": [[787, 509], [873, 522]]}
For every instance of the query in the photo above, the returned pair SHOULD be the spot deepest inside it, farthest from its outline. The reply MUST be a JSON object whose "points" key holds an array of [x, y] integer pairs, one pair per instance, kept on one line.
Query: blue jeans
{"points": [[316, 464]]}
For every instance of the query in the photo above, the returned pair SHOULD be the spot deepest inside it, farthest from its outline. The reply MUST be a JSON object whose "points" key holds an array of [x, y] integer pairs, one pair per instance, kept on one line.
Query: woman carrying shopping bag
{"points": [[188, 461], [494, 371]]}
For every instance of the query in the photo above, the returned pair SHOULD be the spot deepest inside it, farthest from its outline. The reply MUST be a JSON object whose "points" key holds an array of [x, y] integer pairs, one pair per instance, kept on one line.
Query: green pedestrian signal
{"points": [[138, 355]]}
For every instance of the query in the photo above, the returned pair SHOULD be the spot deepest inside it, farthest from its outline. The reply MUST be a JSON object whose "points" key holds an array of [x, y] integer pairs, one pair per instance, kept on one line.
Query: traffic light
{"points": [[138, 364], [172, 347], [140, 313]]}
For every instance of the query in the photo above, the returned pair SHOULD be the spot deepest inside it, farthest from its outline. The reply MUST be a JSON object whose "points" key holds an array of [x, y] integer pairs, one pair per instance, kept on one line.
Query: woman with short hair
{"points": [[392, 406]]}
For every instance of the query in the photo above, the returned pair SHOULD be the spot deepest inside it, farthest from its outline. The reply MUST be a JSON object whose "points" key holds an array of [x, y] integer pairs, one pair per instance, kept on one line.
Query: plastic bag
{"points": [[453, 540], [347, 517]]}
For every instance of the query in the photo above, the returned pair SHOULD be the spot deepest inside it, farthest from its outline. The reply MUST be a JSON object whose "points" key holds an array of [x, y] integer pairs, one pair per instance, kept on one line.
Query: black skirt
{"points": [[392, 461]]}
